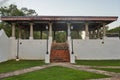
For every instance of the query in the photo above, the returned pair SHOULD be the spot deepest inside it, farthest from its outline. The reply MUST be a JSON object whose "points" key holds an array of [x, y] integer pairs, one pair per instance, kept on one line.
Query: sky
{"points": [[72, 7]]}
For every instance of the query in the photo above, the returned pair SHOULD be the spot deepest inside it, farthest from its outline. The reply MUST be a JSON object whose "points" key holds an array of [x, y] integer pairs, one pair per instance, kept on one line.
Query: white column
{"points": [[50, 29], [72, 57], [104, 31], [13, 30], [86, 31], [31, 30], [47, 56], [13, 42], [101, 32], [69, 32]]}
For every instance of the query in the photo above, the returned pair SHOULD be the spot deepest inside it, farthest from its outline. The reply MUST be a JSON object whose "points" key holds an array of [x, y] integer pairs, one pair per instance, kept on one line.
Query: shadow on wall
{"points": [[5, 52]]}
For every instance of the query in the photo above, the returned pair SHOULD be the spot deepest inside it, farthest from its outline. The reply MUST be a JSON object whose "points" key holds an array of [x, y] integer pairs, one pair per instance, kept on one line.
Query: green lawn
{"points": [[98, 62], [117, 70], [16, 65], [57, 73]]}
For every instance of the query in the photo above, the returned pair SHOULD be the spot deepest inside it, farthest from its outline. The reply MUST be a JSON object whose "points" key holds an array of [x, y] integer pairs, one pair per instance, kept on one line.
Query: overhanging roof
{"points": [[59, 21], [107, 19]]}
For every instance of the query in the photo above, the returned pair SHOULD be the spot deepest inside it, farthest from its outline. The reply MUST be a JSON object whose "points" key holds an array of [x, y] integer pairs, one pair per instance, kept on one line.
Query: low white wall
{"points": [[29, 49], [47, 56], [94, 49], [36, 49], [5, 53], [72, 56]]}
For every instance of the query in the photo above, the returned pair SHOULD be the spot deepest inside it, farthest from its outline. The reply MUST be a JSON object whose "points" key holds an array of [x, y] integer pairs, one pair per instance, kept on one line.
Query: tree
{"points": [[6, 27], [60, 36], [12, 10], [114, 30], [28, 12]]}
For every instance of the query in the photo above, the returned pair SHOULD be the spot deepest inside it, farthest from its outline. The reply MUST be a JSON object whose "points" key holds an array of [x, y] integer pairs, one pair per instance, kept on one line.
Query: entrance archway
{"points": [[59, 48], [59, 32]]}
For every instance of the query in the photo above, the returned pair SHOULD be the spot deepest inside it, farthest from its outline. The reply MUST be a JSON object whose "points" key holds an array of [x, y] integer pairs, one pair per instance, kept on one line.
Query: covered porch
{"points": [[46, 27]]}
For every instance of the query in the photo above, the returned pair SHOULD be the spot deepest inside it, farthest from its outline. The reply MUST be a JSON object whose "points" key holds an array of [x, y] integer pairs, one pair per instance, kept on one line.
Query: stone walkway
{"points": [[114, 76], [18, 72]]}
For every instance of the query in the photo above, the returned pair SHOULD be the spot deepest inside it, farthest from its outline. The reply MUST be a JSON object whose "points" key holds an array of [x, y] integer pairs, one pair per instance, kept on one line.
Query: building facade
{"points": [[92, 45]]}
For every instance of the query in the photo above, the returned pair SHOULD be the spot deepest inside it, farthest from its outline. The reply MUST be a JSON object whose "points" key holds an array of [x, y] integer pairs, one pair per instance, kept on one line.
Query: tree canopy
{"points": [[114, 30], [13, 10]]}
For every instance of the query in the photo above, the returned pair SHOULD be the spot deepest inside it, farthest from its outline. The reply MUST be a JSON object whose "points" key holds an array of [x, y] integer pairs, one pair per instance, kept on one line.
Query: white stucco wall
{"points": [[30, 49], [36, 49], [47, 56], [72, 56], [94, 49], [4, 47]]}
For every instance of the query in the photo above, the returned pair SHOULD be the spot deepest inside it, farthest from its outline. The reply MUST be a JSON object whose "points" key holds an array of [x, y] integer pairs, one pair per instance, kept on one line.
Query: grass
{"points": [[17, 65], [98, 62], [57, 73], [117, 70]]}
